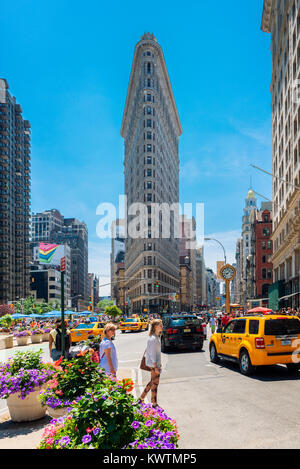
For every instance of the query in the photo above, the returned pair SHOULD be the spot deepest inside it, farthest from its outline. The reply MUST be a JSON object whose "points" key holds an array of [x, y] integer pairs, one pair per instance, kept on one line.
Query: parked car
{"points": [[182, 331], [256, 340]]}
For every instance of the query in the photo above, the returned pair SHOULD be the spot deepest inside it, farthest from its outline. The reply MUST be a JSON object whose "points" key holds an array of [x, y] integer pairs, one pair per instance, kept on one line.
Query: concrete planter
{"points": [[56, 413], [28, 409], [22, 340], [45, 337], [6, 342], [36, 338]]}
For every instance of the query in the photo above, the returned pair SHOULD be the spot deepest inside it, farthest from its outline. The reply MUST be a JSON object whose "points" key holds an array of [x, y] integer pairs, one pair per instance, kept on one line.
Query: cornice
{"points": [[134, 69]]}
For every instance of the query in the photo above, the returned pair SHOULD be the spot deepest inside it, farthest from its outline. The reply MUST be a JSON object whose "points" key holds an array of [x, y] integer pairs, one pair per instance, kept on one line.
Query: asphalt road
{"points": [[214, 405]]}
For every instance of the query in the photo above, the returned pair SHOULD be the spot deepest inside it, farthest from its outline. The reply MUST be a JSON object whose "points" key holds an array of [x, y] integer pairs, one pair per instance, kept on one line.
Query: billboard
{"points": [[50, 254]]}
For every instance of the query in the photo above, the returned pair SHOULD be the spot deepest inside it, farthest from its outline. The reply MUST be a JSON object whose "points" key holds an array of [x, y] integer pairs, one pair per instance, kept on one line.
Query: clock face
{"points": [[228, 273]]}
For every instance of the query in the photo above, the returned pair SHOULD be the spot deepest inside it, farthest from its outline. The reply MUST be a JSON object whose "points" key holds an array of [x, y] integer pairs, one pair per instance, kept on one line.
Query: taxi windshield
{"points": [[85, 326], [132, 320]]}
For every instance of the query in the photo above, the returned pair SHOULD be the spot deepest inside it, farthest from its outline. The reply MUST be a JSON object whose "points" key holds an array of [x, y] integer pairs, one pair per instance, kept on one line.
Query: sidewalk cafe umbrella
{"points": [[84, 313], [52, 314], [260, 309]]}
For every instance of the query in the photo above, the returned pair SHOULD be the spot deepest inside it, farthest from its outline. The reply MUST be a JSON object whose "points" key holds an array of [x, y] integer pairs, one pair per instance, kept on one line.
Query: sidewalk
{"points": [[27, 435]]}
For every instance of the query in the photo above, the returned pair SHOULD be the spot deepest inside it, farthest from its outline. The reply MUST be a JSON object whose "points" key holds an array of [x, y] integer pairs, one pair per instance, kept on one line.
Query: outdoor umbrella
{"points": [[52, 314], [18, 316], [84, 313], [260, 309]]}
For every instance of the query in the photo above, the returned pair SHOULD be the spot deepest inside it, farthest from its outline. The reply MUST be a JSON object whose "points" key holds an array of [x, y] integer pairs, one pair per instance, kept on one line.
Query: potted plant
{"points": [[108, 417], [46, 332], [69, 383], [36, 335], [22, 336], [21, 380]]}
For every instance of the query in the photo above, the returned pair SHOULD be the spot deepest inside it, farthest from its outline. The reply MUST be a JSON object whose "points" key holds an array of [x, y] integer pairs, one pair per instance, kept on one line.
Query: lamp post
{"points": [[217, 241]]}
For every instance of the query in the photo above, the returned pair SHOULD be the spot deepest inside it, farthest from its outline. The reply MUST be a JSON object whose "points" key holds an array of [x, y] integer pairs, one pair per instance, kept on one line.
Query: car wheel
{"points": [[200, 347], [292, 367], [246, 367], [123, 332], [214, 357]]}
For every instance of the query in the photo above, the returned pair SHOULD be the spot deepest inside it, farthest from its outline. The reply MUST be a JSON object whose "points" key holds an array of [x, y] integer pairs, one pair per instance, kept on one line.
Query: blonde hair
{"points": [[153, 324], [108, 326]]}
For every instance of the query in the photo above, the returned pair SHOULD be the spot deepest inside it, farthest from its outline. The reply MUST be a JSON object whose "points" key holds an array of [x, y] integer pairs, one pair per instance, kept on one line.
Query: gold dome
{"points": [[251, 194]]}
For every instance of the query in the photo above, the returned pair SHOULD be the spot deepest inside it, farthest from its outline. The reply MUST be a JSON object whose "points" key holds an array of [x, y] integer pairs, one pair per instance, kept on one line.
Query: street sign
{"points": [[63, 264]]}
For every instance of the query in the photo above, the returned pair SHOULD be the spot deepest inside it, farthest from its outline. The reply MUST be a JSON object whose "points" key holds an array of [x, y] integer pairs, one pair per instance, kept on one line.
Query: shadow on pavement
{"points": [[263, 373], [182, 351], [9, 429]]}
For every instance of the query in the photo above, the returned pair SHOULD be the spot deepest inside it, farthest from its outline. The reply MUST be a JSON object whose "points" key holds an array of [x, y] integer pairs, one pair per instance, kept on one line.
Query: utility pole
{"points": [[62, 305]]}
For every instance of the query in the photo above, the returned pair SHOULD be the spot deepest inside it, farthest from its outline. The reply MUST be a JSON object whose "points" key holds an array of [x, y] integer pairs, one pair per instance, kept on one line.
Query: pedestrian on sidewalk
{"points": [[107, 352], [55, 341], [153, 360], [212, 323]]}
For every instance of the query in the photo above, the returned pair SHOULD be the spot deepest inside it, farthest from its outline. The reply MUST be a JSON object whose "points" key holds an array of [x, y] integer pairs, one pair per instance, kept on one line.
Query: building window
{"points": [[149, 160], [263, 245], [264, 273], [149, 98], [148, 122]]}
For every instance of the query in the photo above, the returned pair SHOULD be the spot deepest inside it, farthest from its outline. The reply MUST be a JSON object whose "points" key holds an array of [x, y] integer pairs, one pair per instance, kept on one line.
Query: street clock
{"points": [[227, 272]]}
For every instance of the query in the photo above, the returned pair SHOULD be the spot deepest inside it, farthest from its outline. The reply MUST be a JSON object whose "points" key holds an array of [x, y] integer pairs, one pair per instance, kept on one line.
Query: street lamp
{"points": [[213, 239]]}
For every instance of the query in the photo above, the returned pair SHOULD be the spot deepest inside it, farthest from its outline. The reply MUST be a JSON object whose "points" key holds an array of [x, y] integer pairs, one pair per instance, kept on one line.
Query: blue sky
{"points": [[68, 64]]}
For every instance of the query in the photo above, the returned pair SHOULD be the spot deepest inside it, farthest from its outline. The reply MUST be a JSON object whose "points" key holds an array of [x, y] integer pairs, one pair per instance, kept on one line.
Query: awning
{"points": [[288, 296]]}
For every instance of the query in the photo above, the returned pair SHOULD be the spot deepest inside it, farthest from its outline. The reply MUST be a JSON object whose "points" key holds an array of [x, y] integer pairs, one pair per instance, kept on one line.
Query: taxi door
{"points": [[226, 339], [237, 336]]}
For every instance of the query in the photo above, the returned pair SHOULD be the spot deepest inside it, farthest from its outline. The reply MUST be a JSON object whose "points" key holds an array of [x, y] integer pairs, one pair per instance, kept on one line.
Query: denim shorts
{"points": [[55, 354]]}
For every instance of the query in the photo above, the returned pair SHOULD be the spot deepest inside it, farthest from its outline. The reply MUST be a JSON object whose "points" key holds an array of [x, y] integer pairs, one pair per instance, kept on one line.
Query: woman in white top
{"points": [[153, 360], [108, 353]]}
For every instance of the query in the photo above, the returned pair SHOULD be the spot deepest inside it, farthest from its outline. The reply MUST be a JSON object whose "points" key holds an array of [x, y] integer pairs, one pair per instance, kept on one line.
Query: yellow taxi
{"points": [[256, 340], [134, 323], [84, 330]]}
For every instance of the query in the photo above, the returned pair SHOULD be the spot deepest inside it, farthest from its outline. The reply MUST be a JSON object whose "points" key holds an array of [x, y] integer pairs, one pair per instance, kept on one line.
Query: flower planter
{"points": [[22, 340], [45, 337], [28, 409], [36, 338], [6, 342], [56, 413]]}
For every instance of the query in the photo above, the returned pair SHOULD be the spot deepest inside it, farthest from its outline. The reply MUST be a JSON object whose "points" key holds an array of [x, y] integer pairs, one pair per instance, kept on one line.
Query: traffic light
{"points": [[33, 305], [90, 307], [156, 284]]}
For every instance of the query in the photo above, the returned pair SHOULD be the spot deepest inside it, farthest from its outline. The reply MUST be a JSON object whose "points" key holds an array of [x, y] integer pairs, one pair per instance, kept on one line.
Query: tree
{"points": [[113, 311], [6, 320], [104, 303], [6, 309]]}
